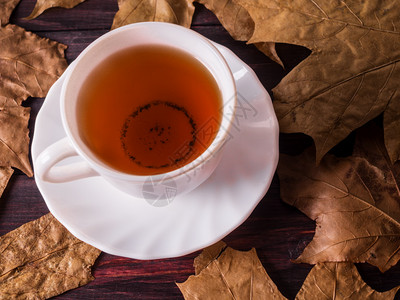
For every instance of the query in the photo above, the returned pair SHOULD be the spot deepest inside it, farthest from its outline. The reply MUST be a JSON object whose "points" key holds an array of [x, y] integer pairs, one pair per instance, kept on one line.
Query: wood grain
{"points": [[278, 231]]}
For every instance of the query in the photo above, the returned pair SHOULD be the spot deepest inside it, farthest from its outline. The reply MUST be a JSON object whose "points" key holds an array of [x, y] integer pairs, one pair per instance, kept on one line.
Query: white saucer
{"points": [[116, 223]]}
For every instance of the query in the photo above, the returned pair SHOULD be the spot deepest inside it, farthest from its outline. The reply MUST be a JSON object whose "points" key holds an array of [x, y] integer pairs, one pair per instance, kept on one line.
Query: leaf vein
{"points": [[225, 281], [339, 118], [352, 12], [173, 12], [320, 9], [354, 239]]}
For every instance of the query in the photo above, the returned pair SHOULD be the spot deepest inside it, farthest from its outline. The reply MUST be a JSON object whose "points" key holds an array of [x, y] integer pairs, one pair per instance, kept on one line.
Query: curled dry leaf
{"points": [[230, 275], [41, 259], [355, 202], [237, 21], [6, 8], [14, 135], [339, 281], [5, 174], [172, 11], [352, 75], [29, 64], [42, 5]]}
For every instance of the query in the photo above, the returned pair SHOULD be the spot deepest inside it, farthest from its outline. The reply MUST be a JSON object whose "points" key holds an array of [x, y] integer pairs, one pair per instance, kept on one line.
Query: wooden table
{"points": [[278, 232]]}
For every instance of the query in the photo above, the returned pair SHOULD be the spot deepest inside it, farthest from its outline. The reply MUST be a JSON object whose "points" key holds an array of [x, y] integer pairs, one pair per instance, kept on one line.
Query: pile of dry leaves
{"points": [[350, 78], [29, 66]]}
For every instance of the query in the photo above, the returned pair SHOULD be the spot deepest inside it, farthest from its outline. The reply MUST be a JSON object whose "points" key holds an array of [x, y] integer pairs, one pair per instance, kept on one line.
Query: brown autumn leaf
{"points": [[237, 21], [6, 8], [208, 255], [42, 5], [172, 11], [29, 64], [230, 275], [339, 281], [355, 202], [14, 135], [352, 74], [41, 259], [5, 174]]}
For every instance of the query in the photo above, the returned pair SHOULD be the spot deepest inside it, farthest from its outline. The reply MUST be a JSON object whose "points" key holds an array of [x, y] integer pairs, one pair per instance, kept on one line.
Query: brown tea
{"points": [[149, 110]]}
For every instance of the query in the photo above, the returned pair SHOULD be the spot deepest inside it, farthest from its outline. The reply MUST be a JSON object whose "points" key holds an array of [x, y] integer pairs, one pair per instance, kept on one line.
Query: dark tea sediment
{"points": [[148, 110]]}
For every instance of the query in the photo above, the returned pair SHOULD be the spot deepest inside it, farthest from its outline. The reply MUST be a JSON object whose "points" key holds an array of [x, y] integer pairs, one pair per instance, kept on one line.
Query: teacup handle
{"points": [[46, 170]]}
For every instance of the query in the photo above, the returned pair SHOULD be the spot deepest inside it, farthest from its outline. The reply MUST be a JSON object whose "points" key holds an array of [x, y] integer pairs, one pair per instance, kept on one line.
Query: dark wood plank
{"points": [[278, 232]]}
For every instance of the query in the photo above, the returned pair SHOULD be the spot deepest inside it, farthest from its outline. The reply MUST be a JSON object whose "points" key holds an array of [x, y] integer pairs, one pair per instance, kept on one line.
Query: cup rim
{"points": [[205, 156]]}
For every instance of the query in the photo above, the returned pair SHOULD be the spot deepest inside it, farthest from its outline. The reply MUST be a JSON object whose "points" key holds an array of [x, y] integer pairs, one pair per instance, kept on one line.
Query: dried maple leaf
{"points": [[42, 5], [339, 281], [6, 8], [230, 275], [352, 74], [355, 202], [41, 259], [237, 21], [5, 174], [172, 11], [14, 135], [29, 65]]}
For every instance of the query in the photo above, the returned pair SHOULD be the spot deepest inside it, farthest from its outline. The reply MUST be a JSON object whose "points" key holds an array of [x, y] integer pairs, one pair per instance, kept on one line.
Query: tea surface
{"points": [[149, 110]]}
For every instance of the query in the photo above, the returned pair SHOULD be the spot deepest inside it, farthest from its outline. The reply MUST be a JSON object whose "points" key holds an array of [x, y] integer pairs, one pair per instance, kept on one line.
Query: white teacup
{"points": [[183, 179]]}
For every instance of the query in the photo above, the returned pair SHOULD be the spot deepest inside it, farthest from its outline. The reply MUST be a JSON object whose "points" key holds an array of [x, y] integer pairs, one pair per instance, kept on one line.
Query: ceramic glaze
{"points": [[98, 214]]}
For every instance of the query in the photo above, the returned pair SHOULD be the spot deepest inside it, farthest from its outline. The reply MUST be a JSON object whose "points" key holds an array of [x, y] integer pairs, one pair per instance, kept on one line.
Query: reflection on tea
{"points": [[142, 110]]}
